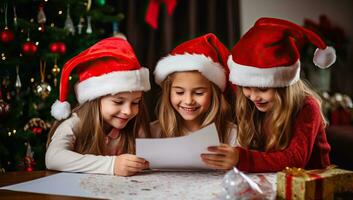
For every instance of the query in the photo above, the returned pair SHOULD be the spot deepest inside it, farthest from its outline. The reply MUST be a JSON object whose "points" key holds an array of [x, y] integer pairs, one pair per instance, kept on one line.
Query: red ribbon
{"points": [[289, 186], [318, 185], [153, 11]]}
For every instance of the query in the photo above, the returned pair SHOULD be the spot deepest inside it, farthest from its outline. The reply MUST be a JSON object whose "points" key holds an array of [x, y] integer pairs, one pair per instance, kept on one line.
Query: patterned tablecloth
{"points": [[164, 185]]}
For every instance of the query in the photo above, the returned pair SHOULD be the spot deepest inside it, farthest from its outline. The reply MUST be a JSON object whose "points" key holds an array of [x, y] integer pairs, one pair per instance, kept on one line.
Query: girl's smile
{"points": [[189, 109], [261, 97]]}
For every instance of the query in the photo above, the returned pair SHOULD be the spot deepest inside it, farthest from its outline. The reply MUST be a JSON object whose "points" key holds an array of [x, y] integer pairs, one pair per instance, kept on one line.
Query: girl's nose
{"points": [[127, 109], [188, 99], [254, 96]]}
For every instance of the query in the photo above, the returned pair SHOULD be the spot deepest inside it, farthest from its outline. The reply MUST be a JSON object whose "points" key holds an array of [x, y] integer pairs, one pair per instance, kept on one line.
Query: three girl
{"points": [[99, 135], [193, 78], [280, 122]]}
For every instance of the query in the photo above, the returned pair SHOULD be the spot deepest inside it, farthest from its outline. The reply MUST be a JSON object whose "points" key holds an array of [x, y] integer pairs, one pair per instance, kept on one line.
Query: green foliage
{"points": [[24, 104]]}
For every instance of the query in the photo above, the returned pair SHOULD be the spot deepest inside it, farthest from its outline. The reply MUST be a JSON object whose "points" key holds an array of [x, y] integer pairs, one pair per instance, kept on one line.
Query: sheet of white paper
{"points": [[67, 184], [179, 152]]}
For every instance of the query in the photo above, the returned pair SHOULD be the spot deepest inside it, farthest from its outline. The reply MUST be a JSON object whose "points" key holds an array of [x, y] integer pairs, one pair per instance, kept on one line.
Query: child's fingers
{"points": [[214, 164], [223, 161], [137, 165], [220, 159], [134, 158], [127, 165], [213, 157], [134, 168], [219, 149]]}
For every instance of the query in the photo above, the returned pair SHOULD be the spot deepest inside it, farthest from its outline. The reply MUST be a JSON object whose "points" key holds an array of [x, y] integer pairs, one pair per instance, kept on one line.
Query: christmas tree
{"points": [[37, 37]]}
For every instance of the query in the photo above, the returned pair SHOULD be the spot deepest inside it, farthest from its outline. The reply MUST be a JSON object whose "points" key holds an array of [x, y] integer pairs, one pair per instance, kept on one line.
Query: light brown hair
{"points": [[90, 132], [288, 101]]}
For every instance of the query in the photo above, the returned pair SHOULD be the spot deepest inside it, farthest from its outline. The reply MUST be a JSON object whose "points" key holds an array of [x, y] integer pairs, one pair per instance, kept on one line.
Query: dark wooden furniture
{"points": [[341, 141]]}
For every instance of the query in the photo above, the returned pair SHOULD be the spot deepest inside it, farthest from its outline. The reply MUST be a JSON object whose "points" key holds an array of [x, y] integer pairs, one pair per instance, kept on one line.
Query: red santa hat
{"points": [[205, 54], [268, 54], [108, 67]]}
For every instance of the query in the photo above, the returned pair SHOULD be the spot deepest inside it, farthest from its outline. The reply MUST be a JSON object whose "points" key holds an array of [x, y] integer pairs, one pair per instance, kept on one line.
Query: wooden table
{"points": [[10, 178]]}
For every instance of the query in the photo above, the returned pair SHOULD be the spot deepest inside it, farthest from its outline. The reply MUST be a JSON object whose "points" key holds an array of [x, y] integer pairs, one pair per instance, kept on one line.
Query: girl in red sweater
{"points": [[280, 123]]}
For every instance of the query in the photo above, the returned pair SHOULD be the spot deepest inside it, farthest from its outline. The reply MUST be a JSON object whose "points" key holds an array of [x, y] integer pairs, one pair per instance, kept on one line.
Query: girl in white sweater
{"points": [[98, 136]]}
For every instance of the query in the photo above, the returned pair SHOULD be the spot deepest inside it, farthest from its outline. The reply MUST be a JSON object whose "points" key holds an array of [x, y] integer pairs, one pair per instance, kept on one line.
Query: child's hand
{"points": [[224, 157], [128, 165]]}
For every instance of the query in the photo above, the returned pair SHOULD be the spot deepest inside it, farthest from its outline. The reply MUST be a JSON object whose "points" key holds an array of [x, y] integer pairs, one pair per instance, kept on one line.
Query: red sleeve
{"points": [[297, 154]]}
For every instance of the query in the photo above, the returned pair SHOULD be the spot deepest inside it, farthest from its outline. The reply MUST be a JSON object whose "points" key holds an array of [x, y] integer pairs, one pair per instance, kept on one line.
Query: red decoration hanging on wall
{"points": [[153, 11]]}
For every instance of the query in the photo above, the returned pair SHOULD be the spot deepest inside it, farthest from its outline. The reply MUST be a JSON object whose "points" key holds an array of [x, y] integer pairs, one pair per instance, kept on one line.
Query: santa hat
{"points": [[108, 67], [205, 54], [268, 54]]}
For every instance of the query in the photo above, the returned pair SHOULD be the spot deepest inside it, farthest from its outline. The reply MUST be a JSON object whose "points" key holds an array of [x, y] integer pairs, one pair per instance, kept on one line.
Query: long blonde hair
{"points": [[90, 133], [287, 103], [171, 121]]}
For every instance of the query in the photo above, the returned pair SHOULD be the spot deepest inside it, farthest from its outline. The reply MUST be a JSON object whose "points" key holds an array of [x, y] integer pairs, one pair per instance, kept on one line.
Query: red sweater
{"points": [[307, 149]]}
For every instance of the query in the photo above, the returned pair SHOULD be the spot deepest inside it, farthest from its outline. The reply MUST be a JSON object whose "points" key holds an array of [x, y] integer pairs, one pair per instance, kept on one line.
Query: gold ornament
{"points": [[42, 89], [55, 71]]}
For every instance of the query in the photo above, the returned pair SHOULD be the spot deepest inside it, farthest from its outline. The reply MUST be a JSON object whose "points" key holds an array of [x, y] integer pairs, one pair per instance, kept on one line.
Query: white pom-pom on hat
{"points": [[324, 58], [60, 110]]}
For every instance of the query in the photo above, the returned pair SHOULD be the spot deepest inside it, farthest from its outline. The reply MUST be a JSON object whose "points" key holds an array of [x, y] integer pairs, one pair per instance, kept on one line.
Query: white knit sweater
{"points": [[61, 156]]}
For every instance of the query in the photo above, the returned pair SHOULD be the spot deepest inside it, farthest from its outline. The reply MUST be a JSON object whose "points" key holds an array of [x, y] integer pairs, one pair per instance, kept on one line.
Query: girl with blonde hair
{"points": [[280, 122], [193, 78]]}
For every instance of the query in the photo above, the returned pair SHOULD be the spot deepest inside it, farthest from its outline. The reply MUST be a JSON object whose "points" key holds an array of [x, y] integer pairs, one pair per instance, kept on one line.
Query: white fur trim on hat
{"points": [[213, 71], [112, 83], [60, 110], [324, 58], [250, 76]]}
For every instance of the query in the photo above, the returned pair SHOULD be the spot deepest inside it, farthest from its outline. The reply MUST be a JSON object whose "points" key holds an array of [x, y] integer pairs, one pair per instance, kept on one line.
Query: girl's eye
{"points": [[199, 93], [136, 103], [179, 93], [263, 89], [119, 102]]}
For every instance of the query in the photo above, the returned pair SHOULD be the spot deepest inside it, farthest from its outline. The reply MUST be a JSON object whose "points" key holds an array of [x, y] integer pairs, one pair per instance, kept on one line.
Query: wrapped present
{"points": [[297, 183]]}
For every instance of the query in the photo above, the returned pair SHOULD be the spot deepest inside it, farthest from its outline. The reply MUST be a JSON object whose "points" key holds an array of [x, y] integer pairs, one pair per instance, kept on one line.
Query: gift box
{"points": [[297, 183]]}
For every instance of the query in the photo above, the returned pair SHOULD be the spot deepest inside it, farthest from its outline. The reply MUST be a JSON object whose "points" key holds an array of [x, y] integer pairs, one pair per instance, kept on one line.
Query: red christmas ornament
{"points": [[58, 47], [29, 48], [7, 36], [37, 126], [37, 130], [62, 47], [53, 47]]}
